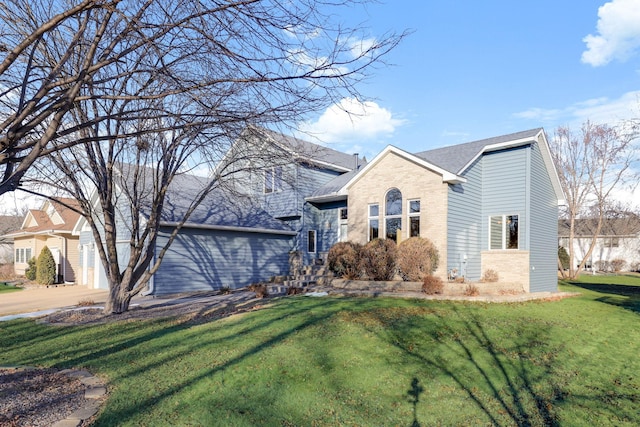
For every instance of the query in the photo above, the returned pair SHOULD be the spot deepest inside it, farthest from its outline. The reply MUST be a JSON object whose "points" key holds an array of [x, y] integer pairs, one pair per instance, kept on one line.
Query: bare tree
{"points": [[592, 165], [166, 88], [60, 53]]}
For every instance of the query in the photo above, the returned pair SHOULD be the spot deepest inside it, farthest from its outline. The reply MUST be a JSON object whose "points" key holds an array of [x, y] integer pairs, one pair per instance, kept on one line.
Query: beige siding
{"points": [[414, 182], [68, 247], [21, 243]]}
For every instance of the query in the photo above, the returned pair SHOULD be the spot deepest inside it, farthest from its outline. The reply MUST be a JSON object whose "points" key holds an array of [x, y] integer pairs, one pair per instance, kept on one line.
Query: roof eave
{"points": [[228, 228], [326, 198]]}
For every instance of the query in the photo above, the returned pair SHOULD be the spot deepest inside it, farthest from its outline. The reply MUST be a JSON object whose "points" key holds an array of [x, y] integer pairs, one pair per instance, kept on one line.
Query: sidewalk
{"points": [[32, 300]]}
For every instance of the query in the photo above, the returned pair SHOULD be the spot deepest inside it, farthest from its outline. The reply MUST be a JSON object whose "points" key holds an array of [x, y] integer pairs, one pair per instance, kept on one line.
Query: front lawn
{"points": [[307, 361]]}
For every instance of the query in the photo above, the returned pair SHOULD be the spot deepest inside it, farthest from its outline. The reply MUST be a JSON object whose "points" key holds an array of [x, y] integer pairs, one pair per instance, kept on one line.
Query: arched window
{"points": [[393, 213]]}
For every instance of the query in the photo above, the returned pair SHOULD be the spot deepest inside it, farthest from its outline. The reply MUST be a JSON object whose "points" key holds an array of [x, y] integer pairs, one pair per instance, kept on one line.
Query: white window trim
{"points": [[369, 218], [315, 241], [504, 231], [342, 222], [413, 215], [397, 216]]}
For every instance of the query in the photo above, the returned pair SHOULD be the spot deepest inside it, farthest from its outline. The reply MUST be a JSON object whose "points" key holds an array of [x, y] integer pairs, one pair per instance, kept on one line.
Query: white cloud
{"points": [[361, 47], [351, 120], [618, 33], [597, 110]]}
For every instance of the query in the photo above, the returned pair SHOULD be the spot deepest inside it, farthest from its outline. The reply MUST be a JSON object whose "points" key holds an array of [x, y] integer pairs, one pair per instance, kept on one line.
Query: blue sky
{"points": [[475, 69]]}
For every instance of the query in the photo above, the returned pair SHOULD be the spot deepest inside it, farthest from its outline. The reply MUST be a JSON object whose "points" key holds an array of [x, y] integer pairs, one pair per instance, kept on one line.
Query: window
{"points": [[393, 214], [23, 255], [503, 232], [613, 242], [414, 218], [374, 222], [342, 220], [273, 179], [311, 241]]}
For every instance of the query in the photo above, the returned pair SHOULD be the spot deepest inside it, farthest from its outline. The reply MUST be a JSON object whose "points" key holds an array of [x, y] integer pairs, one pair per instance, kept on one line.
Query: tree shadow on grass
{"points": [[511, 383], [625, 296]]}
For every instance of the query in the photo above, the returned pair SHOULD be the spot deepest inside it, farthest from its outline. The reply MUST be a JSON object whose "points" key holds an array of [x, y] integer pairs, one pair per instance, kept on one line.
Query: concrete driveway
{"points": [[42, 298]]}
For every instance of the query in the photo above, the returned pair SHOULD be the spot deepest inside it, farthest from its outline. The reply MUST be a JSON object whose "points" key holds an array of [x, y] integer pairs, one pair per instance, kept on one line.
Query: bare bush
{"points": [[344, 260], [618, 264], [490, 276], [471, 290], [260, 289], [417, 258], [7, 272], [432, 285], [378, 259]]}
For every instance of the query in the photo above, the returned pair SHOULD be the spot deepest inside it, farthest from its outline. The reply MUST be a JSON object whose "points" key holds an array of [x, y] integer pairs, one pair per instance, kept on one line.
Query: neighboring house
{"points": [[619, 239], [486, 205], [8, 223], [50, 226]]}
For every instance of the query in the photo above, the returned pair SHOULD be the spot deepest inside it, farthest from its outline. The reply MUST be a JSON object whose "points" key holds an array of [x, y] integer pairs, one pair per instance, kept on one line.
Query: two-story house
{"points": [[489, 204]]}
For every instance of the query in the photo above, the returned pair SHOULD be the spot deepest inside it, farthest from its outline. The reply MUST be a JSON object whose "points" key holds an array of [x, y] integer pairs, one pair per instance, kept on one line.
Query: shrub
{"points": [[432, 285], [635, 266], [344, 260], [46, 267], [471, 290], [378, 259], [417, 258], [618, 264], [295, 290], [563, 256], [603, 265], [490, 276], [32, 269], [260, 289], [7, 272]]}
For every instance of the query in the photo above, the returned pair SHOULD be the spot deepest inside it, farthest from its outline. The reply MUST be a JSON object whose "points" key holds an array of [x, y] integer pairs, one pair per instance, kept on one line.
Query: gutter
{"points": [[229, 228]]}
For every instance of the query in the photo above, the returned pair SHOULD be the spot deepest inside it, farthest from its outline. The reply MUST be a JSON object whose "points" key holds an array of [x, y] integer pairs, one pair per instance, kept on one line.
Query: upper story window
{"points": [[374, 221], [414, 218], [503, 232], [393, 213], [273, 179]]}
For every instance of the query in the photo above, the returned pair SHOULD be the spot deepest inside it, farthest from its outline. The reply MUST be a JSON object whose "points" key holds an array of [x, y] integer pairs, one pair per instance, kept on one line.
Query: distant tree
{"points": [[592, 165], [46, 267], [563, 258]]}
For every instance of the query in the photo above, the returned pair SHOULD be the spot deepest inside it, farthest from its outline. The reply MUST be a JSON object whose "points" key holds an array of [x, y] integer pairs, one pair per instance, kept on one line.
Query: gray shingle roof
{"points": [[456, 157], [314, 152], [219, 207]]}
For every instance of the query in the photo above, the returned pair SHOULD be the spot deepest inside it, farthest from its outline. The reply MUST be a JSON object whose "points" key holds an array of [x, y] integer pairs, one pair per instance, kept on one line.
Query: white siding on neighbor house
{"points": [[543, 228], [205, 260], [464, 224]]}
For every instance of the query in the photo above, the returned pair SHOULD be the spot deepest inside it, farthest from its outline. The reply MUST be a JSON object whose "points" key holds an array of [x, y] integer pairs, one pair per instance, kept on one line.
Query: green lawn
{"points": [[306, 361], [4, 287]]}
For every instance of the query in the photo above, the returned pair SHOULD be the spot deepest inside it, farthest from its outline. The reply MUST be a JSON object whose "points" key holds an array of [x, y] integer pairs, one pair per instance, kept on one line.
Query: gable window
{"points": [[311, 241], [503, 232], [393, 214], [374, 221], [273, 179], [342, 220], [414, 218]]}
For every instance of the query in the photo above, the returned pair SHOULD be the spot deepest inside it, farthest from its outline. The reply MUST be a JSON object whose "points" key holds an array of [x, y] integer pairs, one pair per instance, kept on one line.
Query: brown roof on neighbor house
{"points": [[585, 227], [44, 221]]}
